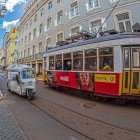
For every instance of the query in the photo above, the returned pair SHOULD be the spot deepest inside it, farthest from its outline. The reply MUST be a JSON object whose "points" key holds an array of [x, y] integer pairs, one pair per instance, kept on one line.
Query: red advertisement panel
{"points": [[107, 84], [67, 79]]}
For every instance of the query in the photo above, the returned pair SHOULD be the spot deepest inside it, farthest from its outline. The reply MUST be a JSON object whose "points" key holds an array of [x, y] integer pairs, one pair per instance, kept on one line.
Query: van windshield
{"points": [[27, 74]]}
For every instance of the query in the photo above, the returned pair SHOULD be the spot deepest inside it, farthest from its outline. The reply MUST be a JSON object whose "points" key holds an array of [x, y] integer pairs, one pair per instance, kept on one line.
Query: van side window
{"points": [[106, 59]]}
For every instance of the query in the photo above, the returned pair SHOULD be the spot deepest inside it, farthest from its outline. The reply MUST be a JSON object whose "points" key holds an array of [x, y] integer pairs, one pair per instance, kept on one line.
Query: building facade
{"points": [[46, 22], [11, 46]]}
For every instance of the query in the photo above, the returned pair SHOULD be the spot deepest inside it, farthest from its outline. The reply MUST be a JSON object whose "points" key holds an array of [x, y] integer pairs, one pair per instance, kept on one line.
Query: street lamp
{"points": [[3, 11]]}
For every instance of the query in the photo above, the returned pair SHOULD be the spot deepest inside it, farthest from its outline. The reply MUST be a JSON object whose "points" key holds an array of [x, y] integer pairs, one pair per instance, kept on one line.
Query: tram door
{"points": [[131, 72]]}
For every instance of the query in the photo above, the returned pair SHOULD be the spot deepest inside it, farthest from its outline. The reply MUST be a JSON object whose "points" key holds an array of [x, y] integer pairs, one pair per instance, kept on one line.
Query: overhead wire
{"points": [[107, 18]]}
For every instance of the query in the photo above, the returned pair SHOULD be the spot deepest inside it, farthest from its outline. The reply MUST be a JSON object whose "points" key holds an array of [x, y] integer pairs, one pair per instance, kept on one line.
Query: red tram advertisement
{"points": [[107, 66]]}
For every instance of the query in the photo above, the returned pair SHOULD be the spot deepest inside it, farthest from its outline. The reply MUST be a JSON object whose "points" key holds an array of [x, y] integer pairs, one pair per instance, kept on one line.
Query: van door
{"points": [[131, 70]]}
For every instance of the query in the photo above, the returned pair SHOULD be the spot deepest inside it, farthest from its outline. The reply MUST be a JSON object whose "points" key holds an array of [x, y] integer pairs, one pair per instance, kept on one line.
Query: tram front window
{"points": [[126, 58]]}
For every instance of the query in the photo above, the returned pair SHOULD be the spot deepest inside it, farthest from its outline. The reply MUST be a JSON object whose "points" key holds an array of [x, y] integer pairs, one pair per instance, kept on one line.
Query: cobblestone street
{"points": [[9, 128]]}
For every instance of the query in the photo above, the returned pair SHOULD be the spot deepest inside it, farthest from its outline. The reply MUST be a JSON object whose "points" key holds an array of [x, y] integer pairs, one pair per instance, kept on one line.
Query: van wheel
{"points": [[29, 95]]}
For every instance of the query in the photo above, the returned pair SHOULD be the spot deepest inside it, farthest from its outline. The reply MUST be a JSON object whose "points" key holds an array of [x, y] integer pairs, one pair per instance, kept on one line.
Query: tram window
{"points": [[78, 61], [126, 58], [58, 62], [136, 57], [106, 59], [67, 61], [51, 63], [91, 60]]}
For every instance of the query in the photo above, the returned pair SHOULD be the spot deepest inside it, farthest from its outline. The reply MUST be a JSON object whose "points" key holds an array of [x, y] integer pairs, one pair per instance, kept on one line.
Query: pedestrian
{"points": [[1, 95]]}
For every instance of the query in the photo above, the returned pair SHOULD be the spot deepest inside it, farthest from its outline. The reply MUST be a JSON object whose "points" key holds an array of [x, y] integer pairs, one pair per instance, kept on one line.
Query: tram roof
{"points": [[95, 40]]}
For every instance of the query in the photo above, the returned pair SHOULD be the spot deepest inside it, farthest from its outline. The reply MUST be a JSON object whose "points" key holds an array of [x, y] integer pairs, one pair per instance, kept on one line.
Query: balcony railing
{"points": [[31, 58], [39, 56]]}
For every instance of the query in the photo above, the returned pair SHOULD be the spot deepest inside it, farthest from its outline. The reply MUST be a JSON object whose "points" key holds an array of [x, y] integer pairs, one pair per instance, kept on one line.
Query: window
{"points": [[42, 12], [49, 22], [31, 22], [91, 60], [67, 61], [74, 9], [58, 62], [40, 47], [50, 5], [60, 37], [75, 30], [24, 53], [106, 59], [30, 36], [124, 22], [78, 61], [48, 43], [93, 4], [34, 33], [33, 50], [26, 25], [51, 63], [126, 57], [25, 39], [60, 17], [41, 29], [113, 1], [58, 1], [28, 51], [35, 18], [136, 57], [22, 42], [21, 54], [95, 26]]}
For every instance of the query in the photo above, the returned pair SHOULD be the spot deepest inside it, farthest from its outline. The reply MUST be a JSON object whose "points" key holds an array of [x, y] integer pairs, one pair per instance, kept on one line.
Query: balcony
{"points": [[39, 56]]}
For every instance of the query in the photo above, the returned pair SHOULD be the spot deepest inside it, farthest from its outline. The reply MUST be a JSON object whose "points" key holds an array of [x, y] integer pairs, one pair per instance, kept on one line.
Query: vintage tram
{"points": [[108, 66]]}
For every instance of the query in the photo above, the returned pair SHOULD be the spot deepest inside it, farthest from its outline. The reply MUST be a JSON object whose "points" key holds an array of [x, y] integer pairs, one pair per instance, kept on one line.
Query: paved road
{"points": [[97, 120], [20, 120]]}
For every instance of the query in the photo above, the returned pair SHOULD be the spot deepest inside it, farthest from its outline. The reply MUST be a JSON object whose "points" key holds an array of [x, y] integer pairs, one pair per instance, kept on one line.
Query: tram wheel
{"points": [[120, 101]]}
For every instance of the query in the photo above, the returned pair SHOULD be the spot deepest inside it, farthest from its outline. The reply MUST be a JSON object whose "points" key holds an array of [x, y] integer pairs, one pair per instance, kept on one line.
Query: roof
{"points": [[95, 40], [18, 67]]}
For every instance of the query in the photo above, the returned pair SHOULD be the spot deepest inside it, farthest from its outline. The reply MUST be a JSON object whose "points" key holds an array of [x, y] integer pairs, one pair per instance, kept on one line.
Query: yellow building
{"points": [[11, 47]]}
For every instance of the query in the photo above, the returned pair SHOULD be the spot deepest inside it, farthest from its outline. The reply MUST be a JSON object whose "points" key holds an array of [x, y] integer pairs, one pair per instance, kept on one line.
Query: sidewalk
{"points": [[9, 128]]}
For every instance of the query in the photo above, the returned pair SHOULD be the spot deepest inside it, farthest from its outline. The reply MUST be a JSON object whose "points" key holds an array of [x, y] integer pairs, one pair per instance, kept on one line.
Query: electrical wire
{"points": [[107, 17]]}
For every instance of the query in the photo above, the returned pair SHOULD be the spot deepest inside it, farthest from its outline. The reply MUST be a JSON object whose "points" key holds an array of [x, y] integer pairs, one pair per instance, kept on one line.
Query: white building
{"points": [[46, 22]]}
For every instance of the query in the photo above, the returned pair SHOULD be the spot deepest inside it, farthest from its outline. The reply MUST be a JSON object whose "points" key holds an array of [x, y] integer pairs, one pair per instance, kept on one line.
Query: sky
{"points": [[15, 10]]}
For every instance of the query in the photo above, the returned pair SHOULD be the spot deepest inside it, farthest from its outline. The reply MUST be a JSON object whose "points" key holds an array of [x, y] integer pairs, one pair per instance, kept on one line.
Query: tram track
{"points": [[108, 125], [57, 119]]}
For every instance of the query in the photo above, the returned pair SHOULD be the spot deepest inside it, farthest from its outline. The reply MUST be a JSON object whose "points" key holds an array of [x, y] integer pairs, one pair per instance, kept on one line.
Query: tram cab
{"points": [[108, 66]]}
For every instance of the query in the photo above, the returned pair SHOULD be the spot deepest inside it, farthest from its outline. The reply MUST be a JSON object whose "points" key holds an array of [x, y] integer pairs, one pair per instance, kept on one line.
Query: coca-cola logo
{"points": [[65, 78]]}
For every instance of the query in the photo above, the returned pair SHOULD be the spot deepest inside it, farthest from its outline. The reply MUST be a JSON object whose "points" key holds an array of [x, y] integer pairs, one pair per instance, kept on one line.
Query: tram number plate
{"points": [[105, 78]]}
